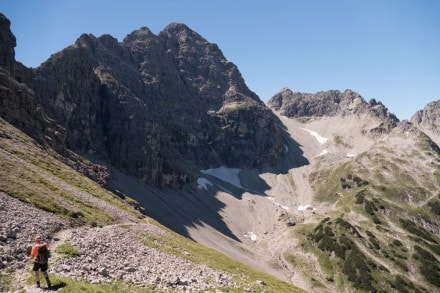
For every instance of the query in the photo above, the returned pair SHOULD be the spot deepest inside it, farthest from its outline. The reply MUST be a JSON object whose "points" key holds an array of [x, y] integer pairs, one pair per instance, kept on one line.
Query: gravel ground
{"points": [[113, 252], [20, 223], [106, 254]]}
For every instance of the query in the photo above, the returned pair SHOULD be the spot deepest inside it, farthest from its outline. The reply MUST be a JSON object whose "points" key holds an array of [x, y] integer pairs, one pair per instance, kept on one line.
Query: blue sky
{"points": [[385, 49]]}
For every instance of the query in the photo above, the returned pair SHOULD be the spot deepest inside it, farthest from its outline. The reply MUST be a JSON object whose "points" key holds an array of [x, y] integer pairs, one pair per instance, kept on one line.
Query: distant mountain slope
{"points": [[428, 120], [375, 186], [159, 107]]}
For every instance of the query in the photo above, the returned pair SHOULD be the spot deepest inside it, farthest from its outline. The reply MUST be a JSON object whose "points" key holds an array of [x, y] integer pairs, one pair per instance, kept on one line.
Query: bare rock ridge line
{"points": [[330, 103]]}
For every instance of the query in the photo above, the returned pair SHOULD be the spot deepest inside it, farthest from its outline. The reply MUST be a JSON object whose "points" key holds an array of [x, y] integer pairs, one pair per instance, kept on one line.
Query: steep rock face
{"points": [[428, 120], [158, 106], [19, 107], [7, 44], [330, 103]]}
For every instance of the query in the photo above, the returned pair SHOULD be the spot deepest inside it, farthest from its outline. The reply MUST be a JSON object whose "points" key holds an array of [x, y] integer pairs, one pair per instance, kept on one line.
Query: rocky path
{"points": [[105, 254]]}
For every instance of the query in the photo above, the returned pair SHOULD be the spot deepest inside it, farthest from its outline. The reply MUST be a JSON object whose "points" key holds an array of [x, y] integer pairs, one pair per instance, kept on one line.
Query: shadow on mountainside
{"points": [[191, 206], [175, 209]]}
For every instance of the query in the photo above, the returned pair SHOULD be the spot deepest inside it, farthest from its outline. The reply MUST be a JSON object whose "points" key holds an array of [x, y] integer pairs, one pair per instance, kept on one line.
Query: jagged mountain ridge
{"points": [[159, 107], [328, 103]]}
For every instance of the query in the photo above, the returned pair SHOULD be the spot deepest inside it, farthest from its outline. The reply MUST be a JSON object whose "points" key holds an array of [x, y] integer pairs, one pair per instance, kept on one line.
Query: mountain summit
{"points": [[428, 120], [161, 107]]}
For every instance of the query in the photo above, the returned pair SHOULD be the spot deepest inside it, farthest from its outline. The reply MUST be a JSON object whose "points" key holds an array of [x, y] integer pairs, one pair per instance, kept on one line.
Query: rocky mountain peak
{"points": [[143, 34], [428, 120], [328, 103], [429, 115], [7, 44], [142, 105], [181, 30]]}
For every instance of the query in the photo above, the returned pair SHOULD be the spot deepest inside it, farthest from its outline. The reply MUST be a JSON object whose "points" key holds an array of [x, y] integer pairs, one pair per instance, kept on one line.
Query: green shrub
{"points": [[435, 248], [357, 271], [396, 242], [376, 220], [384, 269], [359, 199], [76, 214], [411, 227], [370, 208], [375, 243], [435, 207], [429, 266], [347, 226]]}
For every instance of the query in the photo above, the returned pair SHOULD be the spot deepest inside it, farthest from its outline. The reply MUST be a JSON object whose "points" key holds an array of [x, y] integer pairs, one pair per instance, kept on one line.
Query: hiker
{"points": [[40, 255]]}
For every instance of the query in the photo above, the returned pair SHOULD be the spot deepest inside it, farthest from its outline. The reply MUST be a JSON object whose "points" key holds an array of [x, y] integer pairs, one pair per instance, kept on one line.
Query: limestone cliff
{"points": [[160, 107]]}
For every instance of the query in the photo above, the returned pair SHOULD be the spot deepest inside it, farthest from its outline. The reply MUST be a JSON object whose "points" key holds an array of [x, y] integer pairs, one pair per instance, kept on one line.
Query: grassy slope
{"points": [[31, 174], [378, 238]]}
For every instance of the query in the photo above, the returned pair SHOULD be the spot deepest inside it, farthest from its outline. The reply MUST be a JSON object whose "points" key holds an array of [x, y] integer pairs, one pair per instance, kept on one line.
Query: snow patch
{"points": [[283, 207], [203, 183], [286, 148], [351, 155], [229, 175], [306, 207], [324, 152], [251, 235], [319, 138], [278, 204]]}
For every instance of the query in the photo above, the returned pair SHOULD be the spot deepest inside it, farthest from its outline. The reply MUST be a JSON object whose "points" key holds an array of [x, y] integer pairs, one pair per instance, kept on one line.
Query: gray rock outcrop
{"points": [[428, 120], [329, 103], [7, 44]]}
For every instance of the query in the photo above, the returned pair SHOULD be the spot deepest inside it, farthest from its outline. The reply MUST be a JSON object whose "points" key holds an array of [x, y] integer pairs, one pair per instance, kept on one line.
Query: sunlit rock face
{"points": [[428, 120]]}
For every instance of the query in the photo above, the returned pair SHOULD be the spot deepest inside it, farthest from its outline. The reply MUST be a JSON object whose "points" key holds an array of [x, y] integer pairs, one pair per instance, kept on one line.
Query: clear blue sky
{"points": [[384, 49]]}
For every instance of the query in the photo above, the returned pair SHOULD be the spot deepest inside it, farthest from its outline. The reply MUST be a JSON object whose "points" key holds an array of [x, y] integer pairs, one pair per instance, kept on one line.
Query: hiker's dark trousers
{"points": [[40, 266]]}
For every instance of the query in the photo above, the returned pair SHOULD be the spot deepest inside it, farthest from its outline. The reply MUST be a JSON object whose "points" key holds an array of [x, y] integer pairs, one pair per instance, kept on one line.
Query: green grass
{"points": [[66, 249], [50, 185], [235, 107], [327, 183], [5, 280], [68, 285]]}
